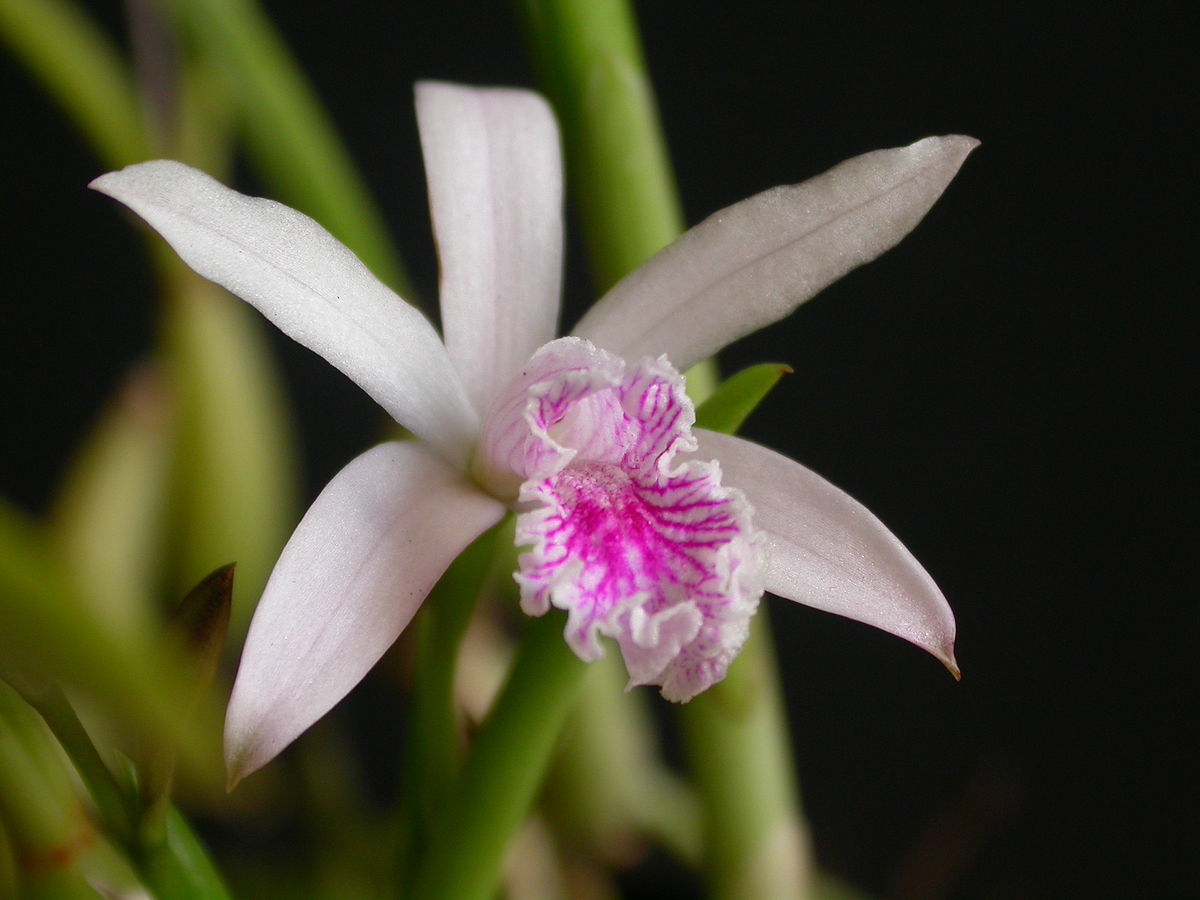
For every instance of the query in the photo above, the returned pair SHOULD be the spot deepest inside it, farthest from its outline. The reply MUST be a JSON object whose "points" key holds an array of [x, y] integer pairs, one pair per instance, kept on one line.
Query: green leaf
{"points": [[52, 841], [738, 396], [235, 466], [198, 629], [49, 634], [107, 522], [180, 869], [115, 806]]}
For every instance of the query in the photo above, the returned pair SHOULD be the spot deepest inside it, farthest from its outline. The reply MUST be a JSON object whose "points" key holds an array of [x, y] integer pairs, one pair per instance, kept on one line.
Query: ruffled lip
{"points": [[634, 543]]}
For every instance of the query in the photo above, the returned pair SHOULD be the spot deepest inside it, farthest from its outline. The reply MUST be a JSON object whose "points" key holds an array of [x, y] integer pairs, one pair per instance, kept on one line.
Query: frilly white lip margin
{"points": [[385, 528]]}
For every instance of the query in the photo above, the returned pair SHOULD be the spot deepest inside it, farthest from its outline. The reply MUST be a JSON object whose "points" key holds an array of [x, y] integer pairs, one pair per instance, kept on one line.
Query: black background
{"points": [[1007, 389]]}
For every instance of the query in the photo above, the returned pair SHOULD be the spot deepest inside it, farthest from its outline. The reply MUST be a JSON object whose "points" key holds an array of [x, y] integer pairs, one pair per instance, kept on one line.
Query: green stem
{"points": [[504, 770], [434, 747], [756, 843], [607, 786], [590, 61]]}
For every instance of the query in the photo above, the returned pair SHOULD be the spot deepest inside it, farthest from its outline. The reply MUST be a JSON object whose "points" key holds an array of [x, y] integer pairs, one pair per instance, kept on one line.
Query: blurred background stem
{"points": [[81, 69], [735, 734]]}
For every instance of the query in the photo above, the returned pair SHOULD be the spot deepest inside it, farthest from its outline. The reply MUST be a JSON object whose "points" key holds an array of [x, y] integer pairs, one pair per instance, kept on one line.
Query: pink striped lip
{"points": [[635, 545]]}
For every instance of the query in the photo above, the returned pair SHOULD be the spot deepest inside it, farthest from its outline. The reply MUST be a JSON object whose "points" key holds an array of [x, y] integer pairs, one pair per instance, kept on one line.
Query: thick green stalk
{"points": [[504, 769], [77, 64], [608, 787], [590, 63], [756, 842]]}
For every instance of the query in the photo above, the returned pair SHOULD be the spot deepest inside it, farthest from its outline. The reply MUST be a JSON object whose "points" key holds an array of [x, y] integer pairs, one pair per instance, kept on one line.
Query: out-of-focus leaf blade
{"points": [[49, 633], [181, 869], [49, 831], [202, 620], [738, 396], [235, 469], [114, 806], [197, 631], [108, 518], [80, 67]]}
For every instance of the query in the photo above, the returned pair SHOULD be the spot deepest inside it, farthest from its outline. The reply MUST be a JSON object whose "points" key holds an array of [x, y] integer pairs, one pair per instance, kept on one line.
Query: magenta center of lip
{"points": [[634, 542]]}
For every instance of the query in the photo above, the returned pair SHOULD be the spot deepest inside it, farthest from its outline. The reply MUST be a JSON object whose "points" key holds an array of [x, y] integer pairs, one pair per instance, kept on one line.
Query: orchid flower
{"points": [[645, 530]]}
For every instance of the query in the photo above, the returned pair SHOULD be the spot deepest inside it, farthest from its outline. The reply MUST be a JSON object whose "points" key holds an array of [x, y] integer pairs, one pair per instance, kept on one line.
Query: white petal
{"points": [[495, 191], [363, 558], [828, 551], [312, 287], [753, 263]]}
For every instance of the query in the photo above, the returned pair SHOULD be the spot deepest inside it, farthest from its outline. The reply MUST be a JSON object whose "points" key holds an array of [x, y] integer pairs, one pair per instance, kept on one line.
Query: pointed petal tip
{"points": [[963, 144], [958, 146], [241, 758], [947, 151], [963, 141], [108, 183], [939, 646], [946, 658]]}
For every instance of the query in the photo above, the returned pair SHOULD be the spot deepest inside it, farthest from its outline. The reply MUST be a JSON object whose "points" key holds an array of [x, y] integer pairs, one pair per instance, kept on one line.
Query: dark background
{"points": [[1006, 389]]}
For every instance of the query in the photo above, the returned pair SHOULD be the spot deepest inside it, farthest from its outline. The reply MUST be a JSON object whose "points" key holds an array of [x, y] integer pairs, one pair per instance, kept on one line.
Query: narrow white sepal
{"points": [[352, 576], [495, 192], [828, 551], [312, 287], [753, 263]]}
